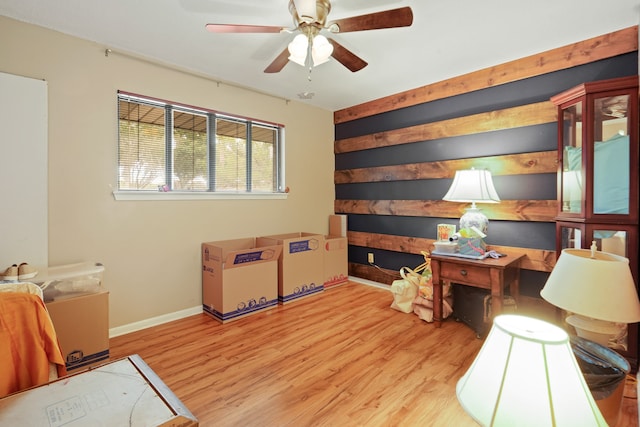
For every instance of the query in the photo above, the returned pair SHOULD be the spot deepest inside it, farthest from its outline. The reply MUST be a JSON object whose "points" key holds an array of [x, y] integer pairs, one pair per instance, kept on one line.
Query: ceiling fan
{"points": [[312, 48]]}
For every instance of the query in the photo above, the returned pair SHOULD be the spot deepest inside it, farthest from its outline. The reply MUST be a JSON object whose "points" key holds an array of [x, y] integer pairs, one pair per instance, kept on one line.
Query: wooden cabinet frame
{"points": [[589, 221]]}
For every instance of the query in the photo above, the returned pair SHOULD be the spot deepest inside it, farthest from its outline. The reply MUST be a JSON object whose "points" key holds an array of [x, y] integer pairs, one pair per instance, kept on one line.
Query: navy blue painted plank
{"points": [[388, 260], [523, 234], [428, 189], [506, 141], [532, 282], [424, 227], [526, 187], [522, 92]]}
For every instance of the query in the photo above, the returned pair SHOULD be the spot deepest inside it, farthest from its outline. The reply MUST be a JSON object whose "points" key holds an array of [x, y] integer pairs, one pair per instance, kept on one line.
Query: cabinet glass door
{"points": [[611, 241], [611, 155], [571, 186], [570, 237]]}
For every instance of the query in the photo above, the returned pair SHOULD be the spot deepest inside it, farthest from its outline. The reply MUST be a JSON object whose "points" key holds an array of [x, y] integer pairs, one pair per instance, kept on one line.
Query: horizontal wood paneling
{"points": [[583, 52], [526, 115], [395, 166], [515, 164], [507, 210], [535, 259]]}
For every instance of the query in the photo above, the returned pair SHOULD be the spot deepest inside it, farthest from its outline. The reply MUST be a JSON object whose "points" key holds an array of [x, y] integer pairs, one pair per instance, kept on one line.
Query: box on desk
{"points": [[239, 278], [78, 306], [473, 246], [301, 265]]}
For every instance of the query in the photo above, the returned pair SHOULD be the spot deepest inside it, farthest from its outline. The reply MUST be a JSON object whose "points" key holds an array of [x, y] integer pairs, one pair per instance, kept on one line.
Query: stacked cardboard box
{"points": [[79, 309], [336, 270], [239, 278], [245, 276], [301, 265]]}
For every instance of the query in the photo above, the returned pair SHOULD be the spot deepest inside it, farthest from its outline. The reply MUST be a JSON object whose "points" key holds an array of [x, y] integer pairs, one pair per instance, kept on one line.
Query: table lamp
{"points": [[597, 289], [527, 375], [471, 186]]}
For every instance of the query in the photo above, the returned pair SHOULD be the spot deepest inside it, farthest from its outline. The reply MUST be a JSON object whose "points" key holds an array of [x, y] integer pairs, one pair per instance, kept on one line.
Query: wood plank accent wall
{"points": [[606, 46], [534, 163], [528, 115]]}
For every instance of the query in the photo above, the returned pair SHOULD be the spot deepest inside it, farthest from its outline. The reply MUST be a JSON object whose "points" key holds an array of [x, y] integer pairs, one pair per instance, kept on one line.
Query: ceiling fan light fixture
{"points": [[310, 18], [306, 10], [321, 50], [298, 49]]}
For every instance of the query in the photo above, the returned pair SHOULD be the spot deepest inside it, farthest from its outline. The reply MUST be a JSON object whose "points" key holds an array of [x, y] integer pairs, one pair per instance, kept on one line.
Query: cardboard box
{"points": [[336, 269], [82, 326], [301, 265], [338, 225], [239, 278]]}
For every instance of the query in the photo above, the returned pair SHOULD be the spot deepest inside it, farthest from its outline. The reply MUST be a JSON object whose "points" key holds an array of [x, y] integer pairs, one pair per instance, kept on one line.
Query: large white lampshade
{"points": [[527, 375], [471, 186], [597, 287]]}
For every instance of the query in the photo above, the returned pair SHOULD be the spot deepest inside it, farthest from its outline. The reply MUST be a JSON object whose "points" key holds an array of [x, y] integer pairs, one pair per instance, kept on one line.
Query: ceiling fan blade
{"points": [[346, 57], [402, 17], [278, 64], [231, 28]]}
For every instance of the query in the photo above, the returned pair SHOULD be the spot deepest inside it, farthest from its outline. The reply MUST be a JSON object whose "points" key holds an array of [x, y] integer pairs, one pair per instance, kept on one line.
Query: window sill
{"points": [[189, 195]]}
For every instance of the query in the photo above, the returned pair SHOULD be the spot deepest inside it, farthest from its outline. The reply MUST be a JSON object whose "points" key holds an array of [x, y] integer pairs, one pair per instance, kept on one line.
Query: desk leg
{"points": [[437, 293], [514, 288], [497, 291], [496, 301]]}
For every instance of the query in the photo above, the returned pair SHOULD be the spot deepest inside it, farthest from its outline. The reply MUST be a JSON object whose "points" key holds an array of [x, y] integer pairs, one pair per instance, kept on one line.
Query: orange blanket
{"points": [[28, 343]]}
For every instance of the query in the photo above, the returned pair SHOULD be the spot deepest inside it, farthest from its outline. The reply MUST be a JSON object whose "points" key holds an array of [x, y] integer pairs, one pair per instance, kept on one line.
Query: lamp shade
{"points": [[321, 50], [298, 49], [595, 284], [472, 185], [527, 375]]}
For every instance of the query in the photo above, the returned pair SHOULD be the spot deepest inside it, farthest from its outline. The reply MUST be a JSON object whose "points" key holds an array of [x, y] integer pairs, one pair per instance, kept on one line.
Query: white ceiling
{"points": [[447, 38]]}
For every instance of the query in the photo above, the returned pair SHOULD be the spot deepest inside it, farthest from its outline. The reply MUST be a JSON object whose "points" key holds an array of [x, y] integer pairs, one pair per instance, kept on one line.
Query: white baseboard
{"points": [[154, 321], [370, 283]]}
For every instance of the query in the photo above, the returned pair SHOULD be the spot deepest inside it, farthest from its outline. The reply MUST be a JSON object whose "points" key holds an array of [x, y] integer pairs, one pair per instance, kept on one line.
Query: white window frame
{"points": [[141, 195]]}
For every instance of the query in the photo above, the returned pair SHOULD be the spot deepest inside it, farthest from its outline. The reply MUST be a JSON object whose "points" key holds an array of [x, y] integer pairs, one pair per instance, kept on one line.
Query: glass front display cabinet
{"points": [[598, 175]]}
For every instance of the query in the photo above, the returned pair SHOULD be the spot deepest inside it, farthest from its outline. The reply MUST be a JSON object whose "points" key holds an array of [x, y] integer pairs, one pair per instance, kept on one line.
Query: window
{"points": [[165, 147]]}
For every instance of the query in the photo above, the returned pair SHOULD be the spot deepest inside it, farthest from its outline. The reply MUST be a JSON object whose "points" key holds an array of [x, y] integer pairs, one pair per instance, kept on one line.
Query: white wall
{"points": [[151, 250], [23, 174]]}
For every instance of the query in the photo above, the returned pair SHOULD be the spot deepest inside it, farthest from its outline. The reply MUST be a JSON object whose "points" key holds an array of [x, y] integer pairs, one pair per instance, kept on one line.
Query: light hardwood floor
{"points": [[340, 358]]}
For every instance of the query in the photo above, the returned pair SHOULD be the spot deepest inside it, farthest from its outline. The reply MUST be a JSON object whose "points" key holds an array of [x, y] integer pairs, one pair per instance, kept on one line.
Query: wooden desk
{"points": [[492, 274]]}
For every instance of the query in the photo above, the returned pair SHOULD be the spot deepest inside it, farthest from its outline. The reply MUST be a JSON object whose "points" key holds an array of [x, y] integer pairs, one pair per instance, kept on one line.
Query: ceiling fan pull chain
{"points": [[309, 56]]}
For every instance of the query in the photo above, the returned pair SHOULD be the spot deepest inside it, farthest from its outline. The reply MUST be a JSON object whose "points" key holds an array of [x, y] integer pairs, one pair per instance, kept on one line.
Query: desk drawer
{"points": [[477, 276]]}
